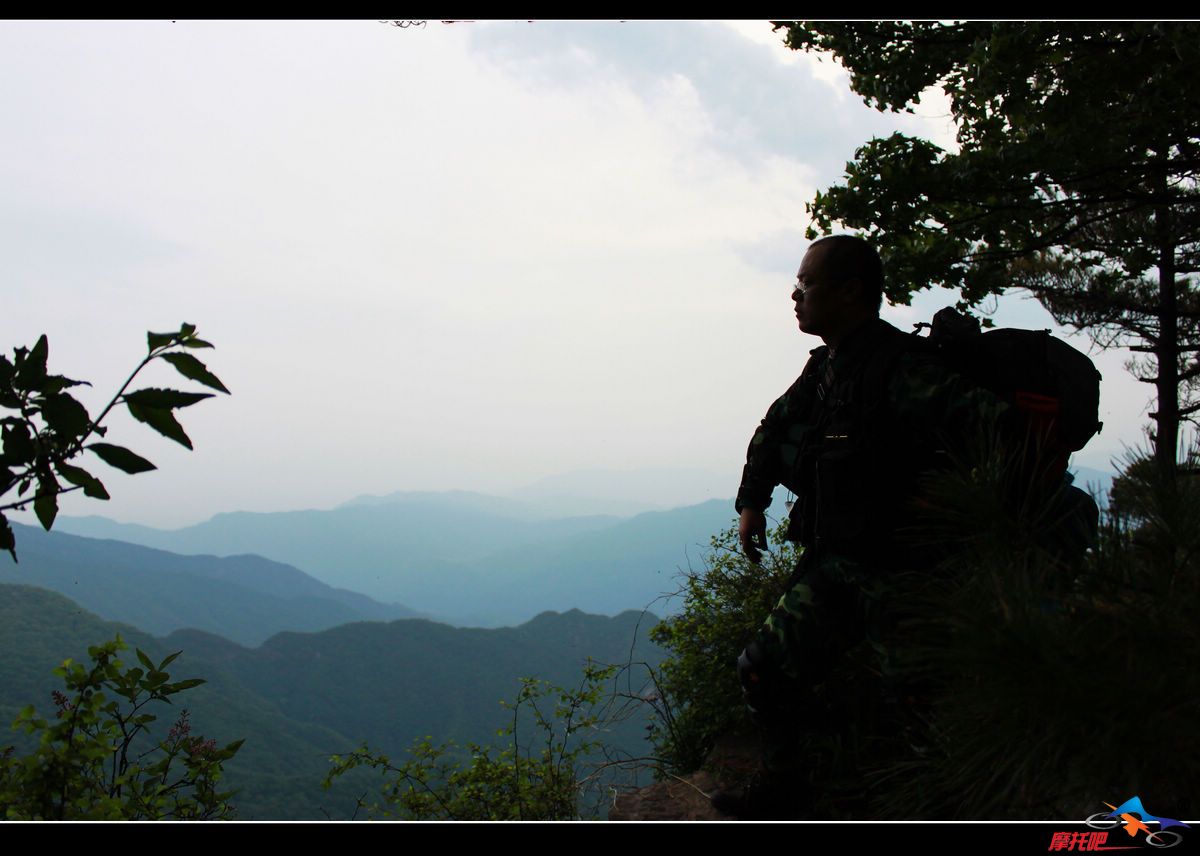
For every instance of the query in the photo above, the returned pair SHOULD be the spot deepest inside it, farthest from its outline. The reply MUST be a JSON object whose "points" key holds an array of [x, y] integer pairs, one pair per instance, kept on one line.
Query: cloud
{"points": [[41, 244], [759, 105], [775, 253]]}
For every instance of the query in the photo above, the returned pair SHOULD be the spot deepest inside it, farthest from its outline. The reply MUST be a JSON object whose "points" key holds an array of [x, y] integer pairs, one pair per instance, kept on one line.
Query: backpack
{"points": [[1054, 387], [1054, 390]]}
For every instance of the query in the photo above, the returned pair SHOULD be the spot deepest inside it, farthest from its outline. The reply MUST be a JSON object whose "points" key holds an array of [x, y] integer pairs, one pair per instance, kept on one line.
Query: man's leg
{"points": [[789, 656]]}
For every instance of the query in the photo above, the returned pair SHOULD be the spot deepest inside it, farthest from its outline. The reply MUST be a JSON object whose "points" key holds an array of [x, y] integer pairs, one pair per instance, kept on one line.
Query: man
{"points": [[850, 438]]}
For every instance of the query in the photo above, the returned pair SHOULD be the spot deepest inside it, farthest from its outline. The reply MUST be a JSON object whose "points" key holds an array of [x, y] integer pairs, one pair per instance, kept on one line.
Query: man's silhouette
{"points": [[871, 412]]}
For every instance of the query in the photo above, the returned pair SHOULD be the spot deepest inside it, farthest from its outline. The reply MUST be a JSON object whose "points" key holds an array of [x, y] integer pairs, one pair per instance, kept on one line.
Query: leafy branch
{"points": [[47, 426]]}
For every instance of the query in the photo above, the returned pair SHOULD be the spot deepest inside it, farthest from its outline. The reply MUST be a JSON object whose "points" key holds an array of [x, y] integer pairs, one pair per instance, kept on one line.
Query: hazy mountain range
{"points": [[244, 598], [462, 557], [470, 558]]}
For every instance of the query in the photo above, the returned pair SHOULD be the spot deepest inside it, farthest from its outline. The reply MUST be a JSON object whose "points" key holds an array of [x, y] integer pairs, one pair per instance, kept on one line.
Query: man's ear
{"points": [[852, 290]]}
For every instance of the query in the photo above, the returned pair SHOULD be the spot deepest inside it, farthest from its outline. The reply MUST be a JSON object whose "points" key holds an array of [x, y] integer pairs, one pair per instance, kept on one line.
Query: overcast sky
{"points": [[466, 256]]}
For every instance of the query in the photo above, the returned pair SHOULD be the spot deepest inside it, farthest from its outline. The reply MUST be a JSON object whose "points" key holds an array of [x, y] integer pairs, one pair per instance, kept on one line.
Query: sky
{"points": [[468, 256]]}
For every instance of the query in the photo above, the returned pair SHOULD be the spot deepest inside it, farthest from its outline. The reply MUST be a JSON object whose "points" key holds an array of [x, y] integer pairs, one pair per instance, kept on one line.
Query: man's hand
{"points": [[752, 532]]}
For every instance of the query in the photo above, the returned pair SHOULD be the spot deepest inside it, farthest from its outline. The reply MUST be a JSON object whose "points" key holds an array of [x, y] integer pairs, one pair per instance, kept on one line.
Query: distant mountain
{"points": [[454, 501], [1089, 479], [301, 697], [455, 556], [632, 564], [399, 529], [624, 492], [244, 598]]}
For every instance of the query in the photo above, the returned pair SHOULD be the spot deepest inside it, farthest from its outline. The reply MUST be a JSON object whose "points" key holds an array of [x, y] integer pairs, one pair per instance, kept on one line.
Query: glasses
{"points": [[805, 286]]}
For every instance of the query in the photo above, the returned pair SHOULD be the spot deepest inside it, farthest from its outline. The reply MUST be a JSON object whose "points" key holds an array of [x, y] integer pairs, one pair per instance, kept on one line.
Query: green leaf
{"points": [[91, 485], [144, 660], [32, 371], [164, 399], [8, 540], [18, 444], [46, 509], [186, 330], [57, 383], [197, 343], [162, 421], [121, 458], [154, 341], [168, 660], [193, 369], [185, 684], [65, 415]]}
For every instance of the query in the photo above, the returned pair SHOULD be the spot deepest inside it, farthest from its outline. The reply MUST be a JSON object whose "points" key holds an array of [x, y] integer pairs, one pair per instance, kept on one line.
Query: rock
{"points": [[729, 764]]}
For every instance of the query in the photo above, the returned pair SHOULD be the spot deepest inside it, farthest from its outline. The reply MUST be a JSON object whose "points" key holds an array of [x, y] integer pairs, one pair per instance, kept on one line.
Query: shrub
{"points": [[536, 780], [97, 760], [698, 695]]}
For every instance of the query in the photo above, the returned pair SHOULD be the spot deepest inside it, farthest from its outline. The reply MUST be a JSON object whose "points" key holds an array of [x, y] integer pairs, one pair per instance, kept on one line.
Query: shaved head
{"points": [[848, 256]]}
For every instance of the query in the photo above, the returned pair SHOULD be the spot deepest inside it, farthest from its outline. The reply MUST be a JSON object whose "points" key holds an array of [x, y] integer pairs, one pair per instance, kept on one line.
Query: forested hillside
{"points": [[302, 697]]}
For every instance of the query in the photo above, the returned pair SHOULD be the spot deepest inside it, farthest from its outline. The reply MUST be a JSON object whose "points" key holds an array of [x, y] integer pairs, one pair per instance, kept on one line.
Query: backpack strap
{"points": [[870, 379]]}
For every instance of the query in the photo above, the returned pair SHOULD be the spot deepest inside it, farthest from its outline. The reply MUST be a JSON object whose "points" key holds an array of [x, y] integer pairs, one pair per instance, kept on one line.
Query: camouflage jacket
{"points": [[851, 444]]}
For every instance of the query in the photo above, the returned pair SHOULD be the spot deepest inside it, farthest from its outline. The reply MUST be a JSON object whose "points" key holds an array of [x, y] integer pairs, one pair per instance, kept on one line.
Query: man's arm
{"points": [[762, 471], [760, 475]]}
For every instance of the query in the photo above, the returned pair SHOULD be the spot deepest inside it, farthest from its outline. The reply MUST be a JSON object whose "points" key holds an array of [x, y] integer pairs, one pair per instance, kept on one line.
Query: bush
{"points": [[1023, 680], [536, 780], [1052, 686], [698, 695], [97, 760]]}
